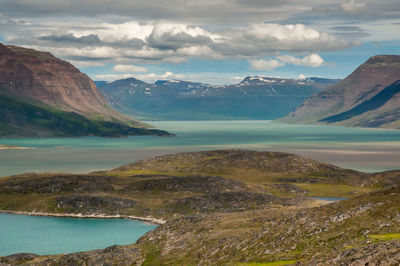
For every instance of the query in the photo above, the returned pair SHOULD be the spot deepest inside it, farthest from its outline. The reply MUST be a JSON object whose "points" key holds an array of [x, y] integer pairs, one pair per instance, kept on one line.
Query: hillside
{"points": [[368, 97], [42, 95], [253, 98], [216, 217]]}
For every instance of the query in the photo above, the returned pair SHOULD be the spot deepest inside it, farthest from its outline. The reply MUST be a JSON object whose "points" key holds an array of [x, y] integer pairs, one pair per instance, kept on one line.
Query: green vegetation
{"points": [[385, 237], [220, 220], [28, 118], [274, 263], [281, 174], [334, 190]]}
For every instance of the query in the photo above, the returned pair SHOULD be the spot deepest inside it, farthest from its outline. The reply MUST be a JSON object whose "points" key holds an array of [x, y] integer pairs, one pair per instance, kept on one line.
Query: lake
{"points": [[369, 150], [53, 235]]}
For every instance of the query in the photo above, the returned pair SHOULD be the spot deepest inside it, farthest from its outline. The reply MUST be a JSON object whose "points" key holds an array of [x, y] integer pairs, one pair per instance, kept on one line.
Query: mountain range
{"points": [[254, 97], [368, 97], [41, 95]]}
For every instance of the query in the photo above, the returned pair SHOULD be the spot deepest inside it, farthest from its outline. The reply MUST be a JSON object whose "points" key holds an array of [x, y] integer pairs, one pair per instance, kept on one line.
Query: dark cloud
{"points": [[161, 31], [346, 28], [91, 39], [172, 41], [176, 10], [349, 32], [87, 58]]}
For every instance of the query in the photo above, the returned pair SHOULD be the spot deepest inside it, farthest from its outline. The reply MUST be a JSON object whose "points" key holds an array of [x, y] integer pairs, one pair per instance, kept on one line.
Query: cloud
{"points": [[312, 60], [260, 64], [301, 76], [129, 68], [150, 77], [177, 10], [174, 36], [349, 32], [166, 75], [353, 6], [90, 39], [131, 42], [268, 38]]}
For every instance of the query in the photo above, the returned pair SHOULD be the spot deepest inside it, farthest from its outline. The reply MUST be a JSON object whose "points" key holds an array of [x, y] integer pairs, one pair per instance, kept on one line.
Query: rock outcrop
{"points": [[224, 218]]}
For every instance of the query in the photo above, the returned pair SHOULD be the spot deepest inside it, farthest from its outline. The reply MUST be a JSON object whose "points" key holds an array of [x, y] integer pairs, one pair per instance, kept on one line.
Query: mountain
{"points": [[41, 95], [368, 97], [253, 98]]}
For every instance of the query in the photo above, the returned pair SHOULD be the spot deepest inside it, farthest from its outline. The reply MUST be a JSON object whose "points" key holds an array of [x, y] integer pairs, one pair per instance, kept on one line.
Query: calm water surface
{"points": [[361, 149], [52, 235], [329, 198]]}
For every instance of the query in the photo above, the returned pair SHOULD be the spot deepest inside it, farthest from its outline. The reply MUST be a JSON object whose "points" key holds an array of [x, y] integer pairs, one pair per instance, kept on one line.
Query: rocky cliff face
{"points": [[40, 76], [360, 88], [41, 95]]}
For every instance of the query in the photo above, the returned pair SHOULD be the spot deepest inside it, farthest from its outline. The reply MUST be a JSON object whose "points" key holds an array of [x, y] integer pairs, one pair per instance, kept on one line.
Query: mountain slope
{"points": [[19, 118], [253, 98], [42, 95], [367, 97], [372, 104]]}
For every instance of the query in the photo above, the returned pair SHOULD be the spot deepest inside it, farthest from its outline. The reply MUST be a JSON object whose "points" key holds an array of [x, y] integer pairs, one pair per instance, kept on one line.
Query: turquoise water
{"points": [[329, 198], [361, 149], [368, 150], [51, 235]]}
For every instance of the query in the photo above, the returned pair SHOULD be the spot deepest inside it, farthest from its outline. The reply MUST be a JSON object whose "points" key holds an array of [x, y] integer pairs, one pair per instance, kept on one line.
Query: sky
{"points": [[210, 41]]}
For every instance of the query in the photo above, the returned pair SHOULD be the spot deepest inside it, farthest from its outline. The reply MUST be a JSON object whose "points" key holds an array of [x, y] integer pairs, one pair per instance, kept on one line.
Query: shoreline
{"points": [[96, 216], [12, 147]]}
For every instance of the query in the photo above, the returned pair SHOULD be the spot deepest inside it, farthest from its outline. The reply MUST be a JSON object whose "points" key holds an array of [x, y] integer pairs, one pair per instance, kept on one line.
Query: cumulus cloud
{"points": [[130, 43], [149, 77], [301, 77], [268, 38], [261, 64], [312, 60], [174, 36], [353, 6], [129, 69]]}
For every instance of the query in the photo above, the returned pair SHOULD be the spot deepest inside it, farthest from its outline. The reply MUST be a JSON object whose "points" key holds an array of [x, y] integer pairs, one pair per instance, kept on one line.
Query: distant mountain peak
{"points": [[259, 79], [258, 98]]}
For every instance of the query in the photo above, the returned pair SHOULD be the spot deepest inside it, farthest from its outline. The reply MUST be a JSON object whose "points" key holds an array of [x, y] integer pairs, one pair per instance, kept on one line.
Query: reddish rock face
{"points": [[41, 76], [365, 82]]}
